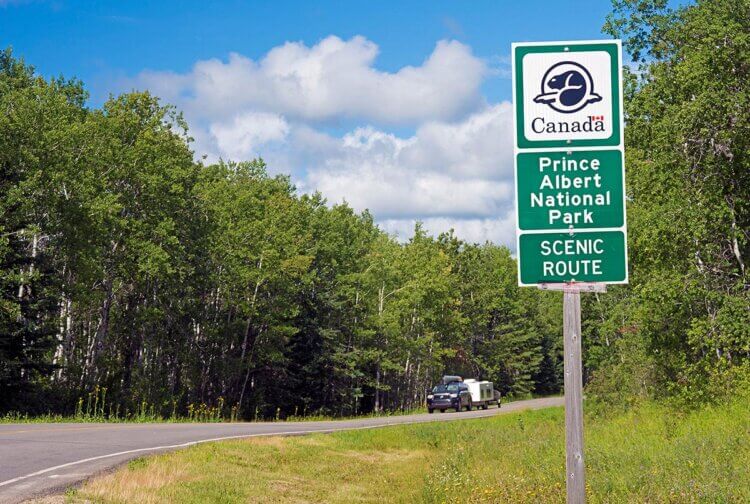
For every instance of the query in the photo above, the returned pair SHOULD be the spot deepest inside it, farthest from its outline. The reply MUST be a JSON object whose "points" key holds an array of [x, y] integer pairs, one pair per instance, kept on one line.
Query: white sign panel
{"points": [[567, 96]]}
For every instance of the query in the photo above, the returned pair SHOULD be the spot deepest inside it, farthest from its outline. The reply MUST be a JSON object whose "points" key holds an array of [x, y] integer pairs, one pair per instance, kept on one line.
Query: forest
{"points": [[132, 272], [135, 274]]}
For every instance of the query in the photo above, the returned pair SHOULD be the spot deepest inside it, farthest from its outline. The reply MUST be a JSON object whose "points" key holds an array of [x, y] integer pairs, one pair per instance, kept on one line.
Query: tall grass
{"points": [[651, 453], [94, 407]]}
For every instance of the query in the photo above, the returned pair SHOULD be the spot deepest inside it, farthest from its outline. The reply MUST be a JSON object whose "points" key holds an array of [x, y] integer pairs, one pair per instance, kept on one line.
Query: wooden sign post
{"points": [[575, 470]]}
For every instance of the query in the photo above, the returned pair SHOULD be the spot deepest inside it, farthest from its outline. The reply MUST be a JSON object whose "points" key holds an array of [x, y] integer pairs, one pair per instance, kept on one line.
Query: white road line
{"points": [[240, 436], [69, 475]]}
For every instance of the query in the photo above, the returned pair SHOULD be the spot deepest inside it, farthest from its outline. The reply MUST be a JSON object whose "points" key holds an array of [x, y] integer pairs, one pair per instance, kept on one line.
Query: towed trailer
{"points": [[482, 393]]}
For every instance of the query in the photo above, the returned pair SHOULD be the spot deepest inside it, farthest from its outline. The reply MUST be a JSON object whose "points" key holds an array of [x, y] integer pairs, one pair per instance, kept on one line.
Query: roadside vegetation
{"points": [[128, 267], [650, 453], [191, 290], [137, 283], [92, 412]]}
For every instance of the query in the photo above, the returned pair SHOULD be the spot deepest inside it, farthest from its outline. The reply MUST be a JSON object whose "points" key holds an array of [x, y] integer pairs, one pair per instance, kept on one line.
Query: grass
{"points": [[95, 408], [649, 454], [147, 415]]}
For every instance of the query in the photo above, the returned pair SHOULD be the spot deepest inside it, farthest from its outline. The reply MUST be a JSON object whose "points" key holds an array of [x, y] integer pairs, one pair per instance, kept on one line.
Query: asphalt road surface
{"points": [[38, 459]]}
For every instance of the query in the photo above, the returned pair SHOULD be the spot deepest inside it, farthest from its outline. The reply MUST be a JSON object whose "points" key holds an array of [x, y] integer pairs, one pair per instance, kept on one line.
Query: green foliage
{"points": [[626, 380], [35, 118], [182, 290], [686, 317]]}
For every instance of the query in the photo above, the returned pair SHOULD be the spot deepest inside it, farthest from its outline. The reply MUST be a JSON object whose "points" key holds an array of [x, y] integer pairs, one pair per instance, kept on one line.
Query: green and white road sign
{"points": [[567, 94], [595, 256], [583, 189], [569, 162]]}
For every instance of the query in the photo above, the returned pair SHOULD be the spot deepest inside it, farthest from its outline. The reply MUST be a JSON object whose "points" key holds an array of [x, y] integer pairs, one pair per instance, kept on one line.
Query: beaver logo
{"points": [[567, 87]]}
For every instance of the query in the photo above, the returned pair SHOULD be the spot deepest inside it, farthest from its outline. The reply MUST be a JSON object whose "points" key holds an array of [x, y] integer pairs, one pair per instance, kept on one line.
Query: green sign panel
{"points": [[592, 256], [582, 189], [569, 162]]}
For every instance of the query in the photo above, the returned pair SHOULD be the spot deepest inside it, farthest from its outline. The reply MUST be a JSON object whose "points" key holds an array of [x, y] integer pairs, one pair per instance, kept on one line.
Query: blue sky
{"points": [[101, 41], [400, 107]]}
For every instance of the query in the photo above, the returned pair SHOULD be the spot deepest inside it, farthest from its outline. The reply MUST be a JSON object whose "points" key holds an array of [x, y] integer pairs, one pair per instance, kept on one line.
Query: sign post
{"points": [[571, 232], [575, 470]]}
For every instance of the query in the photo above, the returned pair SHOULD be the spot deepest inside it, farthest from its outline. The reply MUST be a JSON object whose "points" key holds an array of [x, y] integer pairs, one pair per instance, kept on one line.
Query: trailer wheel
{"points": [[484, 406]]}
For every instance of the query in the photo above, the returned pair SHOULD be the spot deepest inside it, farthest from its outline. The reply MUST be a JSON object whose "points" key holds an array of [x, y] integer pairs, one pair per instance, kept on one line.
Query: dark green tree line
{"points": [[129, 270]]}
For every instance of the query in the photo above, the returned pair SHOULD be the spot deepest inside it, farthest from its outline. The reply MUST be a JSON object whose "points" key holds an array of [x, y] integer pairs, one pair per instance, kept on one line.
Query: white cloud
{"points": [[481, 145], [333, 79], [240, 138], [453, 171], [461, 169], [449, 175], [389, 192]]}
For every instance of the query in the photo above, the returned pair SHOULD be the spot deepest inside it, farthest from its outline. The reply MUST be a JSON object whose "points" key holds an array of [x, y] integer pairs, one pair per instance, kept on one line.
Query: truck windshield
{"points": [[445, 388]]}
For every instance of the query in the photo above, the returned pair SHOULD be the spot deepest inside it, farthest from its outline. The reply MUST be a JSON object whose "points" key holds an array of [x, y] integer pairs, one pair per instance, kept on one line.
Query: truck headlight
{"points": [[453, 396], [429, 396]]}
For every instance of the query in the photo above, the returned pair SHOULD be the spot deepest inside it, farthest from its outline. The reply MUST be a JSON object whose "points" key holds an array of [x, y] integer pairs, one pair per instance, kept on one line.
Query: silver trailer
{"points": [[482, 393]]}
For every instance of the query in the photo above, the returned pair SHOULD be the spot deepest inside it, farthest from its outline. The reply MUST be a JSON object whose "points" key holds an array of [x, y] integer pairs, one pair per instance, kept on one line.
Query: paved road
{"points": [[36, 459]]}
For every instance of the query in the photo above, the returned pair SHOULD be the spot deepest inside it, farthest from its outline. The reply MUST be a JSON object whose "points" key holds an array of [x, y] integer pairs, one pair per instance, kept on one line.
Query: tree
{"points": [[37, 115], [687, 138], [139, 281]]}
